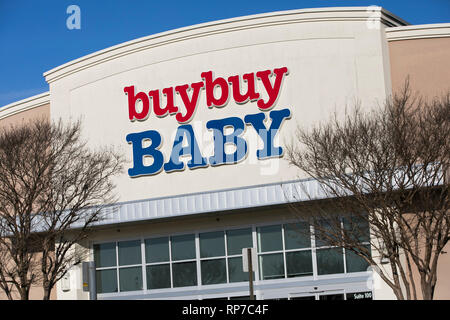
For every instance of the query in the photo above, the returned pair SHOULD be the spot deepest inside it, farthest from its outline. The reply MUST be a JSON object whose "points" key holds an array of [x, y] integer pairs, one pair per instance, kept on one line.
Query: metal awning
{"points": [[212, 201]]}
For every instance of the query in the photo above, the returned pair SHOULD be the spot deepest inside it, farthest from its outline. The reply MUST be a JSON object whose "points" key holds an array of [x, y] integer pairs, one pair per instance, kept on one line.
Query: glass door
{"points": [[305, 297], [331, 296], [321, 295]]}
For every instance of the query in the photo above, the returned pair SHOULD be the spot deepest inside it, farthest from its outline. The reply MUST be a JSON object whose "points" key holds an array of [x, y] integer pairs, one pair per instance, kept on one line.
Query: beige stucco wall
{"points": [[24, 116], [42, 111], [36, 293], [443, 284], [442, 290], [426, 62]]}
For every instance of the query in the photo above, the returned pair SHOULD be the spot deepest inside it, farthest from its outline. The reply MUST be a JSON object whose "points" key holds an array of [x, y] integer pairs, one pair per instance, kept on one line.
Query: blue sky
{"points": [[34, 37]]}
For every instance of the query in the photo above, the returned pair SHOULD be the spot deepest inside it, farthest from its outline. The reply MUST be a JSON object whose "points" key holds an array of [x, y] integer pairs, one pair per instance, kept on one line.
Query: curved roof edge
{"points": [[422, 31], [372, 13], [25, 104]]}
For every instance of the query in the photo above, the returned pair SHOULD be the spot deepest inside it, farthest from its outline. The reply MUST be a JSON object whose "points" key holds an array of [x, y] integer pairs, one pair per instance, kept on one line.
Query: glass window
{"points": [[158, 276], [271, 266], [157, 250], [214, 271], [184, 274], [106, 281], [129, 252], [355, 263], [330, 261], [325, 231], [105, 255], [130, 278], [239, 239], [269, 238], [297, 236], [299, 263], [212, 244], [331, 297], [304, 298], [183, 247], [215, 260], [235, 270], [358, 226]]}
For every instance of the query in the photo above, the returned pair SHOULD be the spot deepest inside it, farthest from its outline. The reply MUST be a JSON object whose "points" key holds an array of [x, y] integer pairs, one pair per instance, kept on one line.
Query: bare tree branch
{"points": [[52, 189], [388, 168]]}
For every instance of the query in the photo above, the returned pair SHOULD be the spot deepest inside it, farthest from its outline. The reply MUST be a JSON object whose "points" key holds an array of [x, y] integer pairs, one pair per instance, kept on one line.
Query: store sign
{"points": [[360, 296], [185, 142]]}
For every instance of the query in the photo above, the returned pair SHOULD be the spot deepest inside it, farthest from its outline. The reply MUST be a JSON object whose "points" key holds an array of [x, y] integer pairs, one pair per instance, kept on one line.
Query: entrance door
{"points": [[331, 296], [321, 295]]}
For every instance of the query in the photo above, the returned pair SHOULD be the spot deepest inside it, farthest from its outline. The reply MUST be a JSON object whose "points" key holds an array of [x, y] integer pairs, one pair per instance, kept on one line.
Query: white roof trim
{"points": [[423, 31], [227, 25], [214, 201], [25, 104]]}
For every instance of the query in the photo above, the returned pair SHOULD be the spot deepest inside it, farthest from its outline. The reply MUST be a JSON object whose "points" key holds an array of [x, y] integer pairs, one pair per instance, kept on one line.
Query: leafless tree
{"points": [[53, 188], [387, 169]]}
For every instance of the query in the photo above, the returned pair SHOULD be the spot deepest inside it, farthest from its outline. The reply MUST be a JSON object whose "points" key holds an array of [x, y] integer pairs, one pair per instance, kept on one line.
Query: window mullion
{"points": [[255, 245], [342, 248], [143, 266], [197, 259], [283, 250], [170, 262], [313, 252], [226, 256], [117, 265]]}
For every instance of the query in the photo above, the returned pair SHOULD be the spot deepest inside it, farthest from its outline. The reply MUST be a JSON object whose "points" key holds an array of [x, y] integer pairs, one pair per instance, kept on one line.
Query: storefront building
{"points": [[189, 201]]}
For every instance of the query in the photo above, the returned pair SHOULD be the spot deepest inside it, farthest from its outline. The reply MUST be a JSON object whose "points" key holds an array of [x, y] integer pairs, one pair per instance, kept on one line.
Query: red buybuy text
{"points": [[190, 94]]}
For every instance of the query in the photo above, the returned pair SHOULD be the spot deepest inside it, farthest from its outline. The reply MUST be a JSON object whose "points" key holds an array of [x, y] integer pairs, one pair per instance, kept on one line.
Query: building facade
{"points": [[202, 114]]}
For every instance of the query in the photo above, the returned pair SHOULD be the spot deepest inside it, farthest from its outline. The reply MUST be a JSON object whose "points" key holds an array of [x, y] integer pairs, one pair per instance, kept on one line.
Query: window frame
{"points": [[117, 267], [254, 236]]}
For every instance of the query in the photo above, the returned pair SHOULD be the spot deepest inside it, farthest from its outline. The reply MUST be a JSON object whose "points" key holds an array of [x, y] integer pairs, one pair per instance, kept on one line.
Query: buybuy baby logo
{"points": [[226, 131]]}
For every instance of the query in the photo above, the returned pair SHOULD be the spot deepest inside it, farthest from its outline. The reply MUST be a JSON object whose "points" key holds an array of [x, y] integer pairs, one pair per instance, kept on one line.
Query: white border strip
{"points": [[25, 104], [423, 31], [227, 25]]}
